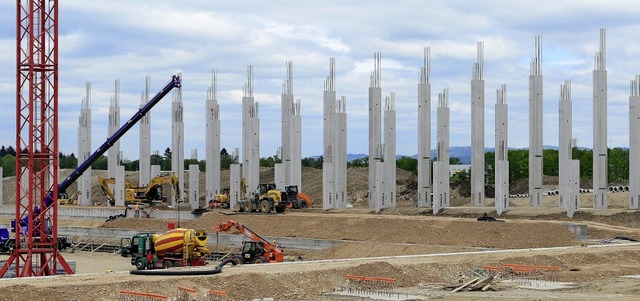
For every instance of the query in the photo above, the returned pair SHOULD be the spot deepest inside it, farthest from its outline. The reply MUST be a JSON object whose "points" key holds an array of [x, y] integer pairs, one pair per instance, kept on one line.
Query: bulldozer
{"points": [[149, 194]]}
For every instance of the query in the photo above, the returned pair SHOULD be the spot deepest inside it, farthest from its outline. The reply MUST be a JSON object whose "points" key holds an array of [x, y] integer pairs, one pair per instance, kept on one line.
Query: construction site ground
{"points": [[425, 254]]}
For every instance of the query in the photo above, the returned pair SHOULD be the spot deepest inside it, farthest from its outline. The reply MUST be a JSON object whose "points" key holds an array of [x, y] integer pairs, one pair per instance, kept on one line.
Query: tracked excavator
{"points": [[149, 194], [256, 249]]}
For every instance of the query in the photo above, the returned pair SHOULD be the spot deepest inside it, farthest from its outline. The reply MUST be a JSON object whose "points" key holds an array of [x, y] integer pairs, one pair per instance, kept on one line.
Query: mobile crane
{"points": [[35, 219], [255, 250]]}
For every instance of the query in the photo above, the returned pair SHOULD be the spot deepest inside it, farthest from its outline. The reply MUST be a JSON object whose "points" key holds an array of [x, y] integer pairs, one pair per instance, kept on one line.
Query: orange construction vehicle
{"points": [[255, 250]]}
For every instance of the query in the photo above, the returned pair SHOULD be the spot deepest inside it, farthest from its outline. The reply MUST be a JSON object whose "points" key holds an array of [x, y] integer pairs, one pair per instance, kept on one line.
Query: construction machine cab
{"points": [[252, 252]]}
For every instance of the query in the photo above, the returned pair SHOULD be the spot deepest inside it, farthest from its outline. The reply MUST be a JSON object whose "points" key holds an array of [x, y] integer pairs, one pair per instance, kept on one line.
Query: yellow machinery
{"points": [[220, 199], [175, 248], [64, 199], [147, 194], [266, 200]]}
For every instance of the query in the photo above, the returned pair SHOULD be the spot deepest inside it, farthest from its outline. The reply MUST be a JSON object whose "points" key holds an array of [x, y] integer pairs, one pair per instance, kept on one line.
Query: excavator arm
{"points": [[104, 186], [272, 252]]}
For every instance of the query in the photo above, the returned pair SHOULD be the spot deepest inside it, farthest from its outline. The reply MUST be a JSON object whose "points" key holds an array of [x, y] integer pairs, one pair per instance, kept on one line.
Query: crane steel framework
{"points": [[35, 253]]}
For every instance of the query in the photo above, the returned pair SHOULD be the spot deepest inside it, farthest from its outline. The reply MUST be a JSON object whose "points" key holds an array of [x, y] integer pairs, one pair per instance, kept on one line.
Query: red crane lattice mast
{"points": [[36, 231]]}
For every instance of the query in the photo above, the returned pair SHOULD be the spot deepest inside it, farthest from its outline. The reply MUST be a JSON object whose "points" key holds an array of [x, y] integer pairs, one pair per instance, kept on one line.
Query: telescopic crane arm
{"points": [[270, 248], [62, 187]]}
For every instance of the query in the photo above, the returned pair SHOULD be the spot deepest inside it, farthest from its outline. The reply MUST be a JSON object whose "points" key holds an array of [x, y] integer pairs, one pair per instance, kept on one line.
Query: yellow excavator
{"points": [[152, 193]]}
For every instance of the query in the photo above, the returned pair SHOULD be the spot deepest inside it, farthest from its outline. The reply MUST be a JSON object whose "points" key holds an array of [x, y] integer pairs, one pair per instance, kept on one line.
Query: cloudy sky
{"points": [[101, 41]]}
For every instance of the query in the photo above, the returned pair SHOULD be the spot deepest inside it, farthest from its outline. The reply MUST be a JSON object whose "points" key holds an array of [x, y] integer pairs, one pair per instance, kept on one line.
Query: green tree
{"points": [[360, 162], [550, 163], [100, 164], [8, 163], [618, 165], [408, 164], [489, 167]]}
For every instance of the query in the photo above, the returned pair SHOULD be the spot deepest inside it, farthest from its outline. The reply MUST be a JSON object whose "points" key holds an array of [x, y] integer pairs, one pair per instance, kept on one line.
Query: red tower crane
{"points": [[35, 253]]}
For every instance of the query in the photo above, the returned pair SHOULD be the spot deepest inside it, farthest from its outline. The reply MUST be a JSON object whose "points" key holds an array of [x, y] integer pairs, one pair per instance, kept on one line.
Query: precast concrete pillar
{"points": [[382, 198], [535, 126], [235, 189], [155, 171], [573, 204], [212, 150], [340, 157], [194, 186], [84, 148], [477, 129], [634, 143], [114, 124], [278, 171], [1, 186], [424, 132], [600, 159], [375, 129], [118, 191], [334, 183], [250, 137], [295, 164], [287, 122], [145, 138], [390, 150], [328, 196], [441, 193], [564, 151], [501, 151], [177, 141]]}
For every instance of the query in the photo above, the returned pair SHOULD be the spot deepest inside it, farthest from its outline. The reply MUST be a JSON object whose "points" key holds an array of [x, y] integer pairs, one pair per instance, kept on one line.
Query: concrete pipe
{"points": [[611, 189], [626, 188]]}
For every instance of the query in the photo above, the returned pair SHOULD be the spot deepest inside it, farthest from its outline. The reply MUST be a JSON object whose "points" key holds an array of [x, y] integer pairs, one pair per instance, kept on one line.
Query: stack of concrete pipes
{"points": [[618, 189]]}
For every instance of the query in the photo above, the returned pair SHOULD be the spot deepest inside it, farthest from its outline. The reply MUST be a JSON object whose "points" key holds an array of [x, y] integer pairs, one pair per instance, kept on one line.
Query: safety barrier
{"points": [[185, 293], [140, 296], [370, 285], [215, 295]]}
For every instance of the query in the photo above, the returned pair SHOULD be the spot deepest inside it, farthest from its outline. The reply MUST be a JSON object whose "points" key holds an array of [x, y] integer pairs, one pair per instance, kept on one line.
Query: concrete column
{"points": [[424, 132], [340, 167], [287, 122], [328, 196], [118, 192], [390, 150], [441, 193], [278, 170], [535, 126], [250, 137], [477, 130], [194, 186], [295, 164], [234, 185], [501, 151], [145, 138], [600, 171], [574, 171], [212, 150], [84, 148], [114, 125], [329, 130], [177, 142], [375, 129], [1, 186], [155, 171], [382, 198], [634, 143], [564, 151]]}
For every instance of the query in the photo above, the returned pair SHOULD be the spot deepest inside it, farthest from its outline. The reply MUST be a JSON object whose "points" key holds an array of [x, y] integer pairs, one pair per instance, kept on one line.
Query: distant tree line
{"points": [[518, 163]]}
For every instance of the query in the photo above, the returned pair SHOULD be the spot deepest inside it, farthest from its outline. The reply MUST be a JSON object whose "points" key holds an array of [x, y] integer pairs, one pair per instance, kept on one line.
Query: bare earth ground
{"points": [[401, 243]]}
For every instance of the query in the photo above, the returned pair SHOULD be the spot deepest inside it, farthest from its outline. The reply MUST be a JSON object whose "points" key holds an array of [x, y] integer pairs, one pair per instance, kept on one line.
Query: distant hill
{"points": [[461, 152]]}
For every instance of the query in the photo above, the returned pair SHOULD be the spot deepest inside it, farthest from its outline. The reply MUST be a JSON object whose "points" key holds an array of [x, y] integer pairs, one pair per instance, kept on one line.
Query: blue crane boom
{"points": [[62, 187]]}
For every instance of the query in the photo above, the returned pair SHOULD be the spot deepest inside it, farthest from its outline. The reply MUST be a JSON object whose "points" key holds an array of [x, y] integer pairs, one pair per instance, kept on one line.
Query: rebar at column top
{"points": [[565, 91], [635, 86], [501, 95]]}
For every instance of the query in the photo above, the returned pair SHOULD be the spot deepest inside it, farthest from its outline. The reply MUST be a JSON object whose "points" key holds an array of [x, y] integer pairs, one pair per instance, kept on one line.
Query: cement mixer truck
{"points": [[175, 248]]}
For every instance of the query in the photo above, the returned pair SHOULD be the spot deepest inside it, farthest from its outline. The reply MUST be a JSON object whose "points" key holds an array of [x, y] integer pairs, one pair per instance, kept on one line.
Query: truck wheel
{"points": [[167, 264], [302, 204], [176, 264], [247, 206], [139, 264], [264, 206], [260, 260], [237, 207]]}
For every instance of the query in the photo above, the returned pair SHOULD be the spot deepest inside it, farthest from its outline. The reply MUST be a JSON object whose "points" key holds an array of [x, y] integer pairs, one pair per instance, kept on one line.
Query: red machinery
{"points": [[257, 249]]}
